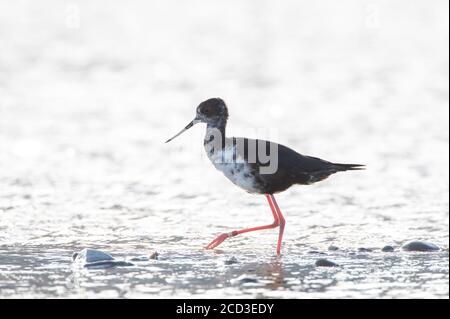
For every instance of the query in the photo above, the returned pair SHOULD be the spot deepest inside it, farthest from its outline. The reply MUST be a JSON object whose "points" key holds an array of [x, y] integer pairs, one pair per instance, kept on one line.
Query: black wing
{"points": [[292, 167]]}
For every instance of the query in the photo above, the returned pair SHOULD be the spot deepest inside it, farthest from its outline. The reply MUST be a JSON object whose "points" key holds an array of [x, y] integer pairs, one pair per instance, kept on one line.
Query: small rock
{"points": [[91, 258], [231, 261], [420, 246], [333, 248], [91, 255], [322, 262], [154, 255], [244, 279], [139, 258], [316, 252], [364, 250], [387, 249]]}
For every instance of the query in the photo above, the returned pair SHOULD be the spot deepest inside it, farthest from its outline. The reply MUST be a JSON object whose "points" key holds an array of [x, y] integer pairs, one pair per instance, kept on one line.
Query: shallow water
{"points": [[90, 91]]}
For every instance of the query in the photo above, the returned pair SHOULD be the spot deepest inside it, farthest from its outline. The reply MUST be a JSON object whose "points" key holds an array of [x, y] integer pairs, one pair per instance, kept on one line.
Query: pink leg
{"points": [[216, 242], [282, 223]]}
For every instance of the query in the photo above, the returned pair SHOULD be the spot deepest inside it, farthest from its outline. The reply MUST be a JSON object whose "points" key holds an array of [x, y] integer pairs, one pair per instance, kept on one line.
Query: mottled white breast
{"points": [[235, 169]]}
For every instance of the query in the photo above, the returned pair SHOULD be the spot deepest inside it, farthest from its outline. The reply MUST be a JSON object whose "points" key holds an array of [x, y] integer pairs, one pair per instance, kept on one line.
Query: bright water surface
{"points": [[90, 90]]}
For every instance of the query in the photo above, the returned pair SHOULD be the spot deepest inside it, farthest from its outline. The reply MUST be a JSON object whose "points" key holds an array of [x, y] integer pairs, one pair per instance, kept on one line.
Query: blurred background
{"points": [[90, 90]]}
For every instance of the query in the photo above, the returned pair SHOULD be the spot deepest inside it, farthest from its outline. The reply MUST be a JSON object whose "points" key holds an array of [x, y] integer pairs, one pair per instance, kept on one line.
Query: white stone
{"points": [[88, 255]]}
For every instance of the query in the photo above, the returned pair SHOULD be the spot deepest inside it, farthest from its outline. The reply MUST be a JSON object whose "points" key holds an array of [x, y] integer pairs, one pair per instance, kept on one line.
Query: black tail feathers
{"points": [[349, 167]]}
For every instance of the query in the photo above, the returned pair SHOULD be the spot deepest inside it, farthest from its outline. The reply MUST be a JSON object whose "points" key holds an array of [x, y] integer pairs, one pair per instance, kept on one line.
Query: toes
{"points": [[212, 244], [216, 242]]}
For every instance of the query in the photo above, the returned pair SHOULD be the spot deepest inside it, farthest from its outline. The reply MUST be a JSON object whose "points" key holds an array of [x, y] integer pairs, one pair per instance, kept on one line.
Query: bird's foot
{"points": [[216, 242]]}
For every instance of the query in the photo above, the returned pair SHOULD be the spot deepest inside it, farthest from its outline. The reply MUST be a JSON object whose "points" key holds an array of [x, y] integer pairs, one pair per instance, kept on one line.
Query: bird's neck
{"points": [[215, 134]]}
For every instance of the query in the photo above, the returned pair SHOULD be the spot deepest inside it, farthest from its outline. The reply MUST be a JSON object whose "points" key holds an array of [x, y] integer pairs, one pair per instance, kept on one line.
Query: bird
{"points": [[248, 164]]}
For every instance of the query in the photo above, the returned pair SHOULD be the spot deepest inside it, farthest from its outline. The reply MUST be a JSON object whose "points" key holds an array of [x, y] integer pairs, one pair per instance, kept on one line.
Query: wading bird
{"points": [[246, 163]]}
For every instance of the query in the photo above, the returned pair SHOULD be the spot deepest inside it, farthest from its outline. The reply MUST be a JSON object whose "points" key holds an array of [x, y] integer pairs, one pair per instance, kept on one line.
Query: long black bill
{"points": [[185, 129]]}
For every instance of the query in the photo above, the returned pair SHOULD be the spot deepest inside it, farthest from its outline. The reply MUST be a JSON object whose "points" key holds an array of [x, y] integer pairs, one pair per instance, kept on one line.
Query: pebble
{"points": [[154, 255], [244, 279], [333, 248], [231, 261], [91, 258], [316, 252], [139, 258], [91, 255], [322, 262], [387, 249], [420, 246]]}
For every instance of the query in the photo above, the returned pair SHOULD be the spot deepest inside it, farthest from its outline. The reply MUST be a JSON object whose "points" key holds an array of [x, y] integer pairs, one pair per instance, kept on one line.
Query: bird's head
{"points": [[213, 112]]}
